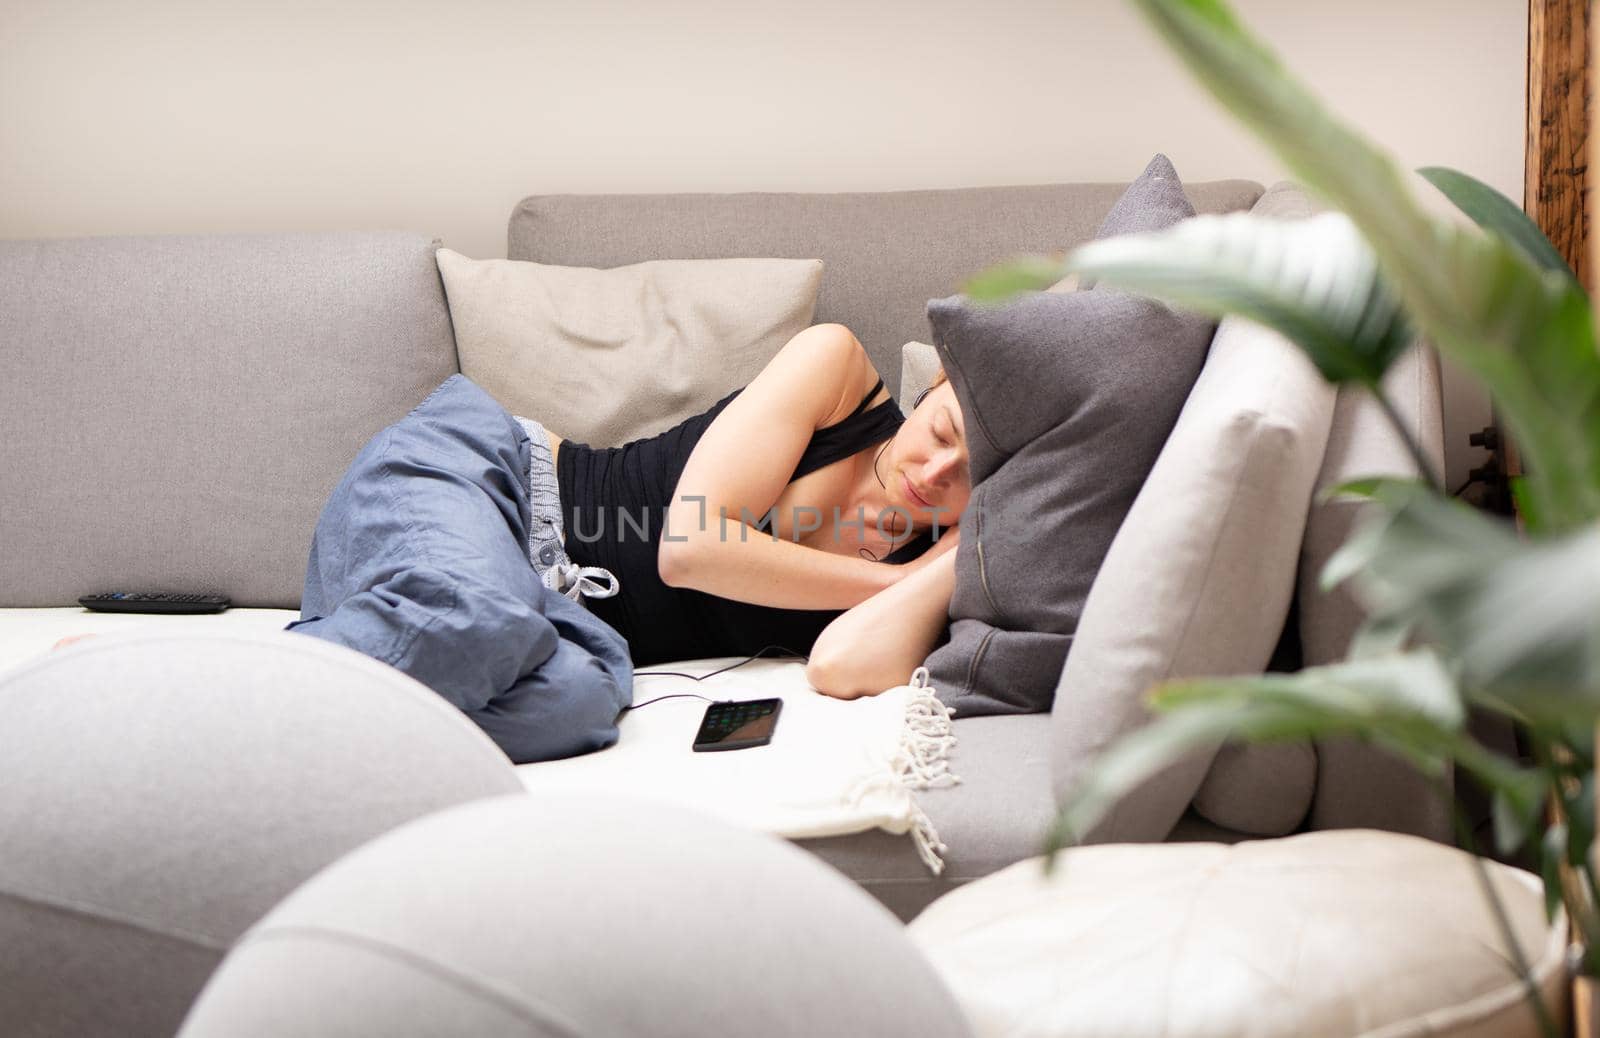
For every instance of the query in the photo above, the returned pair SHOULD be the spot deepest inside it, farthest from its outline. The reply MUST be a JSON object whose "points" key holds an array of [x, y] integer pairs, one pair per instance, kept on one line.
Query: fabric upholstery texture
{"points": [[608, 356], [1067, 399], [576, 915], [1358, 784], [1200, 577], [919, 363], [162, 791], [886, 252], [1321, 934], [1259, 789], [998, 814], [188, 402]]}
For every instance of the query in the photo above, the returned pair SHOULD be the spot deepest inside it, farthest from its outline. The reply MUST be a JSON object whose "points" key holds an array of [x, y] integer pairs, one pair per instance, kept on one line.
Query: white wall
{"points": [[180, 115]]}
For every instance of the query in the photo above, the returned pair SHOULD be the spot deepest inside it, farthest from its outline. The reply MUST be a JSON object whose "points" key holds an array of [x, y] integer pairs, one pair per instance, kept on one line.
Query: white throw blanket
{"points": [[833, 766]]}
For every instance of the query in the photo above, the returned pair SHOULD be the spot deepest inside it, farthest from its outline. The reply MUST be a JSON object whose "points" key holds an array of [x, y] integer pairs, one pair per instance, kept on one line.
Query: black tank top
{"points": [[613, 500]]}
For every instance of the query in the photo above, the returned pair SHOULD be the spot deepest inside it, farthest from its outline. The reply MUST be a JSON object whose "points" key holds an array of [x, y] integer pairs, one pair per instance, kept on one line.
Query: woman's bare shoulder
{"points": [[837, 358]]}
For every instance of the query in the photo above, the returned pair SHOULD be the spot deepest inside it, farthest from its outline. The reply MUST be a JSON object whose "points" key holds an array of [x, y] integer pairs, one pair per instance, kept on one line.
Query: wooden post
{"points": [[1555, 187]]}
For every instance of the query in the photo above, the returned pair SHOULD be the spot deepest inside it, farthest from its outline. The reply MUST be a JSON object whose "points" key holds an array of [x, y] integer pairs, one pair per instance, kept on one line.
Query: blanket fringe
{"points": [[921, 761]]}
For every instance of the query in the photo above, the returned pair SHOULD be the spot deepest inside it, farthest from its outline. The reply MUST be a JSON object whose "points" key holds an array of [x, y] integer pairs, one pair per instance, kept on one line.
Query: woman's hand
{"points": [[876, 645]]}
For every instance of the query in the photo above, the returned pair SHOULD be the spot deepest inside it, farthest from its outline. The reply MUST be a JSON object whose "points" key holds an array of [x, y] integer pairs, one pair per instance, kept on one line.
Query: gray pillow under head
{"points": [[1067, 399]]}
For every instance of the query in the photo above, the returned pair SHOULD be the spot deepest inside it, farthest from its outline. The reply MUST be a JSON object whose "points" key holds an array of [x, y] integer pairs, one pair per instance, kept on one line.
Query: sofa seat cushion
{"points": [[1329, 933], [27, 634], [998, 814]]}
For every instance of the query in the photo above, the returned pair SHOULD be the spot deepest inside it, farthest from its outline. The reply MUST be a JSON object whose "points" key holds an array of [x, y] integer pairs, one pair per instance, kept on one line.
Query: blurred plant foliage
{"points": [[1463, 610]]}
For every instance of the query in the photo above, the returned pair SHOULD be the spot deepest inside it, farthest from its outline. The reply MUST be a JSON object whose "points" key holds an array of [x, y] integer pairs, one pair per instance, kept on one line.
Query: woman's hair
{"points": [[939, 379]]}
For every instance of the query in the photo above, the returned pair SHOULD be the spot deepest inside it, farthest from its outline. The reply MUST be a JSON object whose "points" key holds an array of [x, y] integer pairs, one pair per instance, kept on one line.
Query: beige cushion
{"points": [[1330, 933], [1199, 578], [919, 363], [606, 356]]}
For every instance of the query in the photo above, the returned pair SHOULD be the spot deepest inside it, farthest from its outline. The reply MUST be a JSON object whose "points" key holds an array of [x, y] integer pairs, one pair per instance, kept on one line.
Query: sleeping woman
{"points": [[521, 576]]}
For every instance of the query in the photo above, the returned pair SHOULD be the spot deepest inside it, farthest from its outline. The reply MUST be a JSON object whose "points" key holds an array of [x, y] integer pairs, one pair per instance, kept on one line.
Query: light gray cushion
{"points": [[575, 915], [886, 253], [1000, 813], [177, 409], [1067, 399], [1261, 790], [162, 791], [608, 356], [1199, 579], [1358, 784], [919, 363]]}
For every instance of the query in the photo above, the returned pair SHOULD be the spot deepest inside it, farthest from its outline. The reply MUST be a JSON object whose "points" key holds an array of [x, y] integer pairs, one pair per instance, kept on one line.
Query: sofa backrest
{"points": [[885, 254], [175, 410], [1358, 785]]}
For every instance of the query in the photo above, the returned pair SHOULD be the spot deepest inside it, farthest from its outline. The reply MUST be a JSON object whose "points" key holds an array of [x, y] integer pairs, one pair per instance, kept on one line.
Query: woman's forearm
{"points": [[749, 565], [877, 644]]}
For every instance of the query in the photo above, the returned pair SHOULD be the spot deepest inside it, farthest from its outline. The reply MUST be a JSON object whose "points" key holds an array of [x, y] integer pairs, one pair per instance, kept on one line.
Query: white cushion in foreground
{"points": [[577, 914], [1328, 933], [160, 789]]}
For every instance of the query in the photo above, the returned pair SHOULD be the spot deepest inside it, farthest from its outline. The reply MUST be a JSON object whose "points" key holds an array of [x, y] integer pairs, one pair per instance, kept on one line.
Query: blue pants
{"points": [[420, 560]]}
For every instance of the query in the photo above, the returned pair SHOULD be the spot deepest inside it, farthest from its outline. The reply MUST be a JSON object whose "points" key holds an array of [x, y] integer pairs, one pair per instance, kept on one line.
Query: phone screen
{"points": [[738, 725]]}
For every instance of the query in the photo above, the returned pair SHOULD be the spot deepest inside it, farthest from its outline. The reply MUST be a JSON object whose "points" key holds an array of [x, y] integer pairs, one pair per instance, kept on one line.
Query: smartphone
{"points": [[738, 725]]}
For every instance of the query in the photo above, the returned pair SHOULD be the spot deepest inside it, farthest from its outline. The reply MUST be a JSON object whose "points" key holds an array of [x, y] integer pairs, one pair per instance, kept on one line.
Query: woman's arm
{"points": [[877, 644], [742, 464]]}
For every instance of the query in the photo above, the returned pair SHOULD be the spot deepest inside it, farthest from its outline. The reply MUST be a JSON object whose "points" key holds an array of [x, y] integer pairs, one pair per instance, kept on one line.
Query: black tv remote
{"points": [[153, 602]]}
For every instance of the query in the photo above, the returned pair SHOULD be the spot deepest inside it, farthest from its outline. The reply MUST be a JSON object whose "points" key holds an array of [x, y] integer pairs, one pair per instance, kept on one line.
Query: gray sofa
{"points": [[176, 409]]}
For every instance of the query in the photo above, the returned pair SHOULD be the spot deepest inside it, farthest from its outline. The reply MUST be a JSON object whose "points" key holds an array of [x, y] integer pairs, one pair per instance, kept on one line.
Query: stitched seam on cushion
{"points": [[512, 1002], [977, 658], [100, 914], [983, 570]]}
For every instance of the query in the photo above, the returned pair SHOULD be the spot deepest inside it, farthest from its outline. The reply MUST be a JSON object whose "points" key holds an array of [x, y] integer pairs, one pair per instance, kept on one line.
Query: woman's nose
{"points": [[940, 468]]}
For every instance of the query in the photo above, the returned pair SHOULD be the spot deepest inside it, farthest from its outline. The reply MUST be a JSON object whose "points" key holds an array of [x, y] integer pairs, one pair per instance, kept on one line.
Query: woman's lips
{"points": [[911, 492]]}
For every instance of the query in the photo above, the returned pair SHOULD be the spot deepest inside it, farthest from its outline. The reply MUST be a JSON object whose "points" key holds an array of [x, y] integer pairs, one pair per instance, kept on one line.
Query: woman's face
{"points": [[925, 468]]}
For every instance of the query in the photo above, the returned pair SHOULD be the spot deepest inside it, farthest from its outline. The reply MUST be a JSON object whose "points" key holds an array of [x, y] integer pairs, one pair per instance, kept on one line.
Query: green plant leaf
{"points": [[1493, 211], [1526, 332], [1406, 704], [1520, 619], [1314, 281], [1000, 282], [1552, 852], [1515, 808]]}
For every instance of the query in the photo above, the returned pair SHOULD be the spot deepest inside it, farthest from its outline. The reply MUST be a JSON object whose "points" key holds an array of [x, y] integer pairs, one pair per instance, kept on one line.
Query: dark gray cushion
{"points": [[884, 253], [1067, 400], [176, 409]]}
